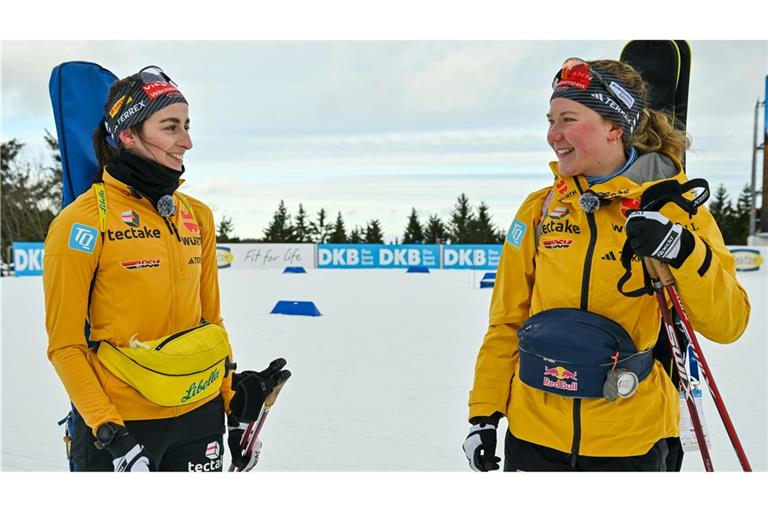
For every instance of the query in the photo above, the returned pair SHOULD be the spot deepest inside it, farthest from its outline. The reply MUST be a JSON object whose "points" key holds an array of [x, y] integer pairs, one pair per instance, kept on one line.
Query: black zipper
{"points": [[172, 228], [176, 335], [576, 431], [584, 302]]}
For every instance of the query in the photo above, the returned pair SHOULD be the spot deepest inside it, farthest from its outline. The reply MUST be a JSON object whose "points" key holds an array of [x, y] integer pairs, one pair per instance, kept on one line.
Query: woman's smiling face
{"points": [[584, 141]]}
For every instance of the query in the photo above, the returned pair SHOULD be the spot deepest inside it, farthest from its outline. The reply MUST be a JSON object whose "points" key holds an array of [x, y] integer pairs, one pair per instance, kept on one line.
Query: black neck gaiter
{"points": [[149, 178]]}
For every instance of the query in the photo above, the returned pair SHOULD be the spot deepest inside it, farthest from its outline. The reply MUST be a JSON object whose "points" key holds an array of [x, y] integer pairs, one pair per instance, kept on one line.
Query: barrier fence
{"points": [[28, 256]]}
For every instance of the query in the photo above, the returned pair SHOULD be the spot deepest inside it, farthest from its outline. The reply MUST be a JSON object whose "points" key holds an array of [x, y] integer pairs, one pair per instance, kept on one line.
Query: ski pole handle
{"points": [[272, 397], [659, 270]]}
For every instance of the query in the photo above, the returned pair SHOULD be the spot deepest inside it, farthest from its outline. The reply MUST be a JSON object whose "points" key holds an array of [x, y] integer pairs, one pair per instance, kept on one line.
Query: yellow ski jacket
{"points": [[576, 264], [144, 276]]}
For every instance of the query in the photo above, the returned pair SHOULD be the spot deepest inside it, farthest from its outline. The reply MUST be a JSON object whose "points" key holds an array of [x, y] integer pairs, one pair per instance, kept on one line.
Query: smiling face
{"points": [[585, 143], [164, 137]]}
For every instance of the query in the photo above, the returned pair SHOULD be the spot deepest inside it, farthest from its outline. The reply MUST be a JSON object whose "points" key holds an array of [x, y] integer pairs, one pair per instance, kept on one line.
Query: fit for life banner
{"points": [[256, 256], [377, 256], [28, 258]]}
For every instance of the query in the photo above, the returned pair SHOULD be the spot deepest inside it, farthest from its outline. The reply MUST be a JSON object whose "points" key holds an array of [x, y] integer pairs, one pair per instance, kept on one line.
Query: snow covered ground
{"points": [[380, 380]]}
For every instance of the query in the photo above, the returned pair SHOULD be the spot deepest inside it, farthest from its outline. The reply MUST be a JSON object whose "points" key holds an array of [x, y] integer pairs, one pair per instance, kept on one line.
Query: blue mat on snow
{"points": [[418, 269], [294, 270], [292, 307]]}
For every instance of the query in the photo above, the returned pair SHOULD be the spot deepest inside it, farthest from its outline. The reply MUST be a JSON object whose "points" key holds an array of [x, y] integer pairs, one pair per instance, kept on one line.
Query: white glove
{"points": [[480, 447], [135, 460], [242, 461]]}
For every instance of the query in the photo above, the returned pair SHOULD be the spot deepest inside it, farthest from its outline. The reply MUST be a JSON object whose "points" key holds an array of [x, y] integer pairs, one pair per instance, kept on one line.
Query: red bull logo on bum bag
{"points": [[561, 375]]}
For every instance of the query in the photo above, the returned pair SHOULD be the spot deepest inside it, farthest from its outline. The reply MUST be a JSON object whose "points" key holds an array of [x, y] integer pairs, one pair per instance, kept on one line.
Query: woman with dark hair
{"points": [[568, 355], [136, 258]]}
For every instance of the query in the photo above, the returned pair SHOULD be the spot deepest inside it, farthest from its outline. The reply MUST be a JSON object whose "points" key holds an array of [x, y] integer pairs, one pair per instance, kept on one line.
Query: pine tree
{"points": [[339, 234], [460, 224], [356, 235], [280, 229], [722, 211], [482, 230], [224, 229], [435, 232], [30, 196], [373, 234], [301, 229], [413, 231], [320, 229], [54, 181], [741, 216]]}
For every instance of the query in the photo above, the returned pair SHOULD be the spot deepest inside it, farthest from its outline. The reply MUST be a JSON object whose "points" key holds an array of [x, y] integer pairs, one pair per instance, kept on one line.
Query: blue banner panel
{"points": [[474, 256], [377, 256], [28, 258]]}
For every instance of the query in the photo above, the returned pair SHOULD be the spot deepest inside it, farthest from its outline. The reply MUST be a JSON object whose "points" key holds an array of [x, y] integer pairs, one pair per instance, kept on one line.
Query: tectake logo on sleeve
{"points": [[516, 233], [83, 238]]}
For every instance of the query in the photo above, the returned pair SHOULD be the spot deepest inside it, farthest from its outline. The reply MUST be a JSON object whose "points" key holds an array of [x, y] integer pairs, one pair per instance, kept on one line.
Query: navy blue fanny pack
{"points": [[570, 352]]}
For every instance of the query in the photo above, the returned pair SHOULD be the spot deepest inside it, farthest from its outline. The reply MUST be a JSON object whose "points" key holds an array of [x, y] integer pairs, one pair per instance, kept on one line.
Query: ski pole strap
{"points": [[627, 254], [671, 191]]}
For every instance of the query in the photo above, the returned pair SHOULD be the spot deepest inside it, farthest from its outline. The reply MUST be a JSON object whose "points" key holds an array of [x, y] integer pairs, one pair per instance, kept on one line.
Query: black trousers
{"points": [[192, 442], [519, 455]]}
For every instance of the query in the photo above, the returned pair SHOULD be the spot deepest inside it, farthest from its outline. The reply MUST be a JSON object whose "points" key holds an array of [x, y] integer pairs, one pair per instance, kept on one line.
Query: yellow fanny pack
{"points": [[175, 370]]}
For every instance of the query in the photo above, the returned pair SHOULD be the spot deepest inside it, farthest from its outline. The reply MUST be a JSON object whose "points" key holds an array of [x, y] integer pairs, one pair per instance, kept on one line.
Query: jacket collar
{"points": [[648, 169], [113, 182]]}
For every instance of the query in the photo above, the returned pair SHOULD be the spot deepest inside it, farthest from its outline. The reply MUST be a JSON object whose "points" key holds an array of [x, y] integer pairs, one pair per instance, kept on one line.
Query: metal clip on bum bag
{"points": [[579, 354], [175, 370]]}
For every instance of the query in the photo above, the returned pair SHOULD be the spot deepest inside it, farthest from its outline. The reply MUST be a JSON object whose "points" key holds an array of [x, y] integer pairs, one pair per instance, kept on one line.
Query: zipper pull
{"points": [[172, 228]]}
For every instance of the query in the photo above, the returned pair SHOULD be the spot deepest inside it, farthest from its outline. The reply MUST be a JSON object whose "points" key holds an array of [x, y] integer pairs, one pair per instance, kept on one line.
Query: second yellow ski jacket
{"points": [[144, 277], [559, 256]]}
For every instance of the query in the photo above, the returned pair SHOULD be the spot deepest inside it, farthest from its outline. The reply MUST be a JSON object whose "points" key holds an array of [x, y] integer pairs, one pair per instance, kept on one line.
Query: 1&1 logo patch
{"points": [[83, 238], [516, 233]]}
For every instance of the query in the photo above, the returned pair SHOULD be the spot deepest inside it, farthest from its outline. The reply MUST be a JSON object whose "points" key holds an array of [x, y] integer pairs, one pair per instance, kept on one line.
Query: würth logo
{"points": [[189, 222]]}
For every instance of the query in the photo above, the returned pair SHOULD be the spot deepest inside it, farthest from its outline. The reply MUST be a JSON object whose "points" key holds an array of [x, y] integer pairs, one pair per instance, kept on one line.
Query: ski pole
{"points": [[668, 281], [248, 442], [677, 352]]}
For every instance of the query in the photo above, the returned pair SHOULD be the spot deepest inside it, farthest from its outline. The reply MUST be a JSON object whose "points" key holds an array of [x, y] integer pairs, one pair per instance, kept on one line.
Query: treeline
{"points": [[733, 221], [465, 225], [30, 194]]}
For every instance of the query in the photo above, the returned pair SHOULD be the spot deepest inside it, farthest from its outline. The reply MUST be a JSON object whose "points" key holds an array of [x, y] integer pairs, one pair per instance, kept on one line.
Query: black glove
{"points": [[480, 444], [653, 235], [252, 388], [127, 454], [235, 432]]}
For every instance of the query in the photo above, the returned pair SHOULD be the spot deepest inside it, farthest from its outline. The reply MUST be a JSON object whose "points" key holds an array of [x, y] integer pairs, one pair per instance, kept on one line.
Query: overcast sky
{"points": [[373, 128]]}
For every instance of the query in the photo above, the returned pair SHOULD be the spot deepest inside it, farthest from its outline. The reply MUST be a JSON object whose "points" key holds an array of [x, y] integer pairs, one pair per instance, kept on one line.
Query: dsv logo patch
{"points": [[142, 263]]}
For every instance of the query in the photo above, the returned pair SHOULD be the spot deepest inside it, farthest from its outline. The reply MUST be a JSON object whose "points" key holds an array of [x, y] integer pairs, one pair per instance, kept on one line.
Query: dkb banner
{"points": [[28, 258], [377, 256], [478, 256]]}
